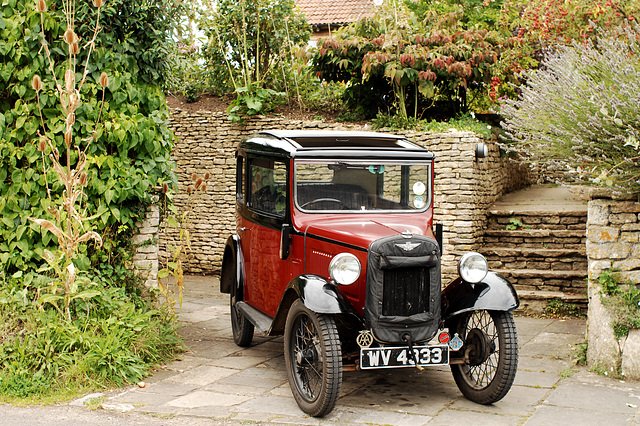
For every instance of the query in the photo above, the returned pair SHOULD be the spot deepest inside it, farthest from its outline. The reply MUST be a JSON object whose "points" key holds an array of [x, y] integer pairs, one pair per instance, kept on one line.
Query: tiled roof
{"points": [[323, 12]]}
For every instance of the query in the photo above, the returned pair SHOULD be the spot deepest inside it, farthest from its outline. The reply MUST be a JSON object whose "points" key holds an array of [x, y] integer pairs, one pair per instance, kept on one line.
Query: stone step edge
{"points": [[562, 213], [537, 233], [540, 273], [547, 295], [532, 252]]}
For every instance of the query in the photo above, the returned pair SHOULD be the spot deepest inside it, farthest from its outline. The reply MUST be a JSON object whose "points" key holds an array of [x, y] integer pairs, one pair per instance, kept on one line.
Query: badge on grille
{"points": [[364, 339], [408, 246], [456, 343]]}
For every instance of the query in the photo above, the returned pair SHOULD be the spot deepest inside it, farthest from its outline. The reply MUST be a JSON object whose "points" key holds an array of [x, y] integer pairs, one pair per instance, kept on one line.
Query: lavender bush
{"points": [[582, 107]]}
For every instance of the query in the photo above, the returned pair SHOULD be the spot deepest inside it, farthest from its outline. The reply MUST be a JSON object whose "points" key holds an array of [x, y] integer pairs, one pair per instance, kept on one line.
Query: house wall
{"points": [[206, 142]]}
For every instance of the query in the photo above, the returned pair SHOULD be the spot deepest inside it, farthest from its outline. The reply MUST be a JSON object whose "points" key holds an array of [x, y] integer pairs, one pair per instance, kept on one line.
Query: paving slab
{"points": [[203, 375], [557, 345], [450, 417], [548, 415], [272, 405], [202, 398], [521, 400]]}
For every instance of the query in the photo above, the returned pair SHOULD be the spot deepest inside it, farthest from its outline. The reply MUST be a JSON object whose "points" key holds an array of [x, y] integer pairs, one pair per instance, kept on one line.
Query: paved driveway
{"points": [[216, 381]]}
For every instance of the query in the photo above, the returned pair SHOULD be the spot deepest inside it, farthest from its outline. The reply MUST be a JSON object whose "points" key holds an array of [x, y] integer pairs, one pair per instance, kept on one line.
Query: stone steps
{"points": [[544, 257], [536, 238], [533, 302], [535, 258], [551, 220]]}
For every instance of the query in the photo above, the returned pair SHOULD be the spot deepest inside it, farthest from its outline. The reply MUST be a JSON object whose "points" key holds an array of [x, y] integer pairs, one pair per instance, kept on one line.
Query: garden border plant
{"points": [[115, 144]]}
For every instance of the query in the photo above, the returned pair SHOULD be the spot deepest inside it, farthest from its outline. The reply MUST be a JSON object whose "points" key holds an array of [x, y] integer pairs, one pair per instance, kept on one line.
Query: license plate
{"points": [[397, 357]]}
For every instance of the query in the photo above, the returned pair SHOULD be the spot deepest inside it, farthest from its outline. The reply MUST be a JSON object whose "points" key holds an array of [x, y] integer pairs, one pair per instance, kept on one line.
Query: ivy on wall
{"points": [[131, 155]]}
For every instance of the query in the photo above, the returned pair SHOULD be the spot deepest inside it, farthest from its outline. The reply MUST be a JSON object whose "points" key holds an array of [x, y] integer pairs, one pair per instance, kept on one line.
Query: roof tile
{"points": [[323, 12]]}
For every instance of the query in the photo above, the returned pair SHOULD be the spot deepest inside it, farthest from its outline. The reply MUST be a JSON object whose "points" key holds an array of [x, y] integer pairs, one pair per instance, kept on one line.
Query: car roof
{"points": [[327, 143]]}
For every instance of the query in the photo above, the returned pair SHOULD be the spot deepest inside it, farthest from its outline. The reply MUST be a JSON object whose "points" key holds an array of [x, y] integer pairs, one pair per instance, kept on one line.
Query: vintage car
{"points": [[336, 249]]}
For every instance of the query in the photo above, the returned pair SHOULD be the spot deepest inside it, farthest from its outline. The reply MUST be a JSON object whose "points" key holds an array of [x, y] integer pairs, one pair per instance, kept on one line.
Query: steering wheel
{"points": [[343, 206]]}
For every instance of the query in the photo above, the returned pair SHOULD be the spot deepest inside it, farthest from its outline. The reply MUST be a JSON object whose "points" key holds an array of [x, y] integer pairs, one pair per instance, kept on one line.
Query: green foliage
{"points": [[580, 108], [623, 301], [171, 277], [558, 308], [114, 338], [253, 100], [514, 224], [416, 60], [253, 43], [581, 353], [463, 122], [131, 153], [544, 23]]}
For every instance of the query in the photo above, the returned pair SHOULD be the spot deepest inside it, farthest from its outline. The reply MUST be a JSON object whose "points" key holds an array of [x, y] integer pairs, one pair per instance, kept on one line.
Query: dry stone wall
{"points": [[613, 241], [145, 241], [206, 142]]}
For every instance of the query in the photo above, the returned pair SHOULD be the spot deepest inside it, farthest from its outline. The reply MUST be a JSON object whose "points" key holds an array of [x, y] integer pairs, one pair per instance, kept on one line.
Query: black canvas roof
{"points": [[325, 144]]}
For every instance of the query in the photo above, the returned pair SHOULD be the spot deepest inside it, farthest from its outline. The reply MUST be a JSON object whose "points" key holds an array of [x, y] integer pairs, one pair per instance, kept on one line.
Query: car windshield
{"points": [[322, 185]]}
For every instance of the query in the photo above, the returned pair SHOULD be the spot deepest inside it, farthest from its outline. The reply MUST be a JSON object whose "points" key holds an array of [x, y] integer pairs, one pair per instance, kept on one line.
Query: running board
{"points": [[261, 321]]}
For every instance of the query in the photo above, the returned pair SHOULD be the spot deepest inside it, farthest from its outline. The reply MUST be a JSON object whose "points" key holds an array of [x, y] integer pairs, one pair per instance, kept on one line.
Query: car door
{"points": [[266, 274]]}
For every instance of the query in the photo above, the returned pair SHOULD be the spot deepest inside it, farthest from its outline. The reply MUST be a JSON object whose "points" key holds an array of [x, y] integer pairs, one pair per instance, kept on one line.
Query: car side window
{"points": [[241, 194], [268, 183]]}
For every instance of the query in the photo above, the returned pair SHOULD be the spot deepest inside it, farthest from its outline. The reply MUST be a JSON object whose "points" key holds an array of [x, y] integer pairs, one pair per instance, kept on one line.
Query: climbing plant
{"points": [[129, 152]]}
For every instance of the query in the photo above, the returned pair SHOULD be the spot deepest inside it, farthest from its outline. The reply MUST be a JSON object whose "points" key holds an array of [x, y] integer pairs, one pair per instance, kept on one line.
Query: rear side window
{"points": [[241, 195], [268, 186]]}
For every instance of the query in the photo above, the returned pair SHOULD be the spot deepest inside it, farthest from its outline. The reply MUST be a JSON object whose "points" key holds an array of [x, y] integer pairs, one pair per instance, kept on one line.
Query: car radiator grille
{"points": [[405, 291]]}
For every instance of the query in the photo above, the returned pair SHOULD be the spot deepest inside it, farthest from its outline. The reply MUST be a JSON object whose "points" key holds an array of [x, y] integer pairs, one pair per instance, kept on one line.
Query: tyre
{"points": [[241, 327], [313, 359], [491, 342]]}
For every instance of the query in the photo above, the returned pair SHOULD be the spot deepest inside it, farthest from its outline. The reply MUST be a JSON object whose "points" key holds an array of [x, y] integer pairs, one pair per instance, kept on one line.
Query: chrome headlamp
{"points": [[473, 267], [344, 268]]}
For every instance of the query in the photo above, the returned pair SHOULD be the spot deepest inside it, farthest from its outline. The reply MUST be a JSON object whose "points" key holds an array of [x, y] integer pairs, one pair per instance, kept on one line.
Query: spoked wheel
{"points": [[313, 359], [241, 327], [491, 346]]}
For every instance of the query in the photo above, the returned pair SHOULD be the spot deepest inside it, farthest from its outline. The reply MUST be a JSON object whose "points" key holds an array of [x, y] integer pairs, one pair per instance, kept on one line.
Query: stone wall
{"points": [[613, 241], [206, 142], [145, 242]]}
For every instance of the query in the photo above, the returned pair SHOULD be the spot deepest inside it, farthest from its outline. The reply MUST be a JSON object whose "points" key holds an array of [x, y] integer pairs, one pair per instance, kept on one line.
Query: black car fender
{"points": [[493, 293], [317, 293], [232, 258]]}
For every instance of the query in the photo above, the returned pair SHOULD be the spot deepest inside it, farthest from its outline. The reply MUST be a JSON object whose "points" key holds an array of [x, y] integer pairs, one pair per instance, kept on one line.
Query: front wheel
{"points": [[313, 359], [491, 355]]}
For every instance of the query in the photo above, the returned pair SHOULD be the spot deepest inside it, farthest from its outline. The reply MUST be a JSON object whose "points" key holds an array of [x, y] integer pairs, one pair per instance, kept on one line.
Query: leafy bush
{"points": [[131, 153], [102, 162], [463, 122], [544, 23], [253, 43], [418, 59], [114, 338], [582, 107]]}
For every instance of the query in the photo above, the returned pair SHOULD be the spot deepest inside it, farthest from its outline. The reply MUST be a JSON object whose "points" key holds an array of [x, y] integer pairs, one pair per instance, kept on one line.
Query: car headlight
{"points": [[473, 267], [344, 268]]}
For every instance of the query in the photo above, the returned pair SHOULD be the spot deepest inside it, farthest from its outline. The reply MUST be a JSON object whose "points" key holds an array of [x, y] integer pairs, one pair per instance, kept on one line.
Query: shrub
{"points": [[131, 151], [114, 338], [582, 108]]}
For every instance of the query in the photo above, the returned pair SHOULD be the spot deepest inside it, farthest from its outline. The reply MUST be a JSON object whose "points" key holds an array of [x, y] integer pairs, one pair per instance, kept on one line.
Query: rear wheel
{"points": [[241, 327], [313, 359], [491, 349]]}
